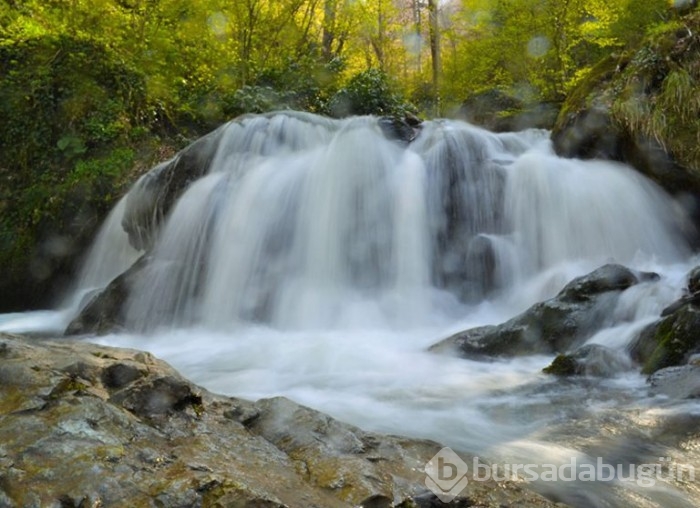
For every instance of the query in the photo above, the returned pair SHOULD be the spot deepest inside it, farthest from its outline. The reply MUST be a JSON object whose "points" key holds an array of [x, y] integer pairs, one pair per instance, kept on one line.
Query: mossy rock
{"points": [[557, 325], [670, 341], [642, 107], [589, 360], [563, 366]]}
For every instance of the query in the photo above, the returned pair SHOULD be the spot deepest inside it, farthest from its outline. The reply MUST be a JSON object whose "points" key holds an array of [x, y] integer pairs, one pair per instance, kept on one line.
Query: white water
{"points": [[318, 260]]}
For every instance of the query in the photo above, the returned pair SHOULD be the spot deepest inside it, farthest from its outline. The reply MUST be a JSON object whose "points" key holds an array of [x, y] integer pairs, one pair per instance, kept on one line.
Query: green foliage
{"points": [[61, 95], [656, 96], [369, 93]]}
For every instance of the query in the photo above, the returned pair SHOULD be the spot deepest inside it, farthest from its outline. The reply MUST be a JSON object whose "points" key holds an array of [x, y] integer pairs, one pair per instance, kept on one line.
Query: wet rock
{"points": [[590, 360], [681, 382], [104, 313], [400, 129], [691, 298], [153, 195], [694, 280], [583, 307], [88, 425], [670, 341]]}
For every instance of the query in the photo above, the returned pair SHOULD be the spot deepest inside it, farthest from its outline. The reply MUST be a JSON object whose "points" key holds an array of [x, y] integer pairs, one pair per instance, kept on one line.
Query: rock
{"points": [[88, 425], [640, 107], [590, 360], [104, 313], [670, 341], [694, 280], [400, 129], [151, 198], [554, 326], [693, 296], [677, 382]]}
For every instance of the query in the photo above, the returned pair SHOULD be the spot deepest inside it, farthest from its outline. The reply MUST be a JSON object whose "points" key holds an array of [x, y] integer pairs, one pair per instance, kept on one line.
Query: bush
{"points": [[61, 95], [369, 93]]}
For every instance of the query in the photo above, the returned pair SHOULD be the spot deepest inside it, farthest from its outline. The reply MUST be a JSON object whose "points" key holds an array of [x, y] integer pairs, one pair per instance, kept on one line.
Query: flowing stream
{"points": [[318, 260]]}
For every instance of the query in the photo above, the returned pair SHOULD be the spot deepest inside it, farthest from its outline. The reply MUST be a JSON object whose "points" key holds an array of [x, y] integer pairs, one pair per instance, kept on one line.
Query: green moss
{"points": [[563, 365], [657, 96], [649, 92], [676, 336], [584, 93], [11, 398], [66, 386]]}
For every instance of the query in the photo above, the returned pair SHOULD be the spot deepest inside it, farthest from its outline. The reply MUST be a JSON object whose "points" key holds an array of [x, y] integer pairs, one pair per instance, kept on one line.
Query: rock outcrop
{"points": [[557, 325], [641, 107], [151, 198], [87, 425]]}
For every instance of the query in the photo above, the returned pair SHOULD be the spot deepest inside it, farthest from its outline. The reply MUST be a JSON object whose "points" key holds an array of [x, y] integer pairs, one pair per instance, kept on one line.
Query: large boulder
{"points": [[670, 341], [641, 107], [87, 425], [557, 325], [151, 198]]}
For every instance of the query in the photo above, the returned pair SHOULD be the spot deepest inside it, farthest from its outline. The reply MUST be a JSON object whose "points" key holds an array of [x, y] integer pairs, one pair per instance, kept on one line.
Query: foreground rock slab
{"points": [[88, 425]]}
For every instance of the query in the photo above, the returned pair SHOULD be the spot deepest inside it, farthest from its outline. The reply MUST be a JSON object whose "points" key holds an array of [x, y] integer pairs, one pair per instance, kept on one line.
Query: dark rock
{"points": [[670, 341], [681, 382], [105, 311], [399, 129], [554, 326], [151, 198], [590, 360], [164, 395], [136, 432], [693, 299], [564, 365], [119, 375], [694, 280]]}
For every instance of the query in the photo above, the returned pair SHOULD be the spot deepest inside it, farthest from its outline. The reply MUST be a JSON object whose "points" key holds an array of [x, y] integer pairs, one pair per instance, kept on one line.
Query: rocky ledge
{"points": [[83, 425]]}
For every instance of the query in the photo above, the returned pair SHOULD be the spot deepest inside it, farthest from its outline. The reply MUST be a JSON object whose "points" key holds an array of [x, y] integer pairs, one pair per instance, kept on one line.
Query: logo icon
{"points": [[446, 475]]}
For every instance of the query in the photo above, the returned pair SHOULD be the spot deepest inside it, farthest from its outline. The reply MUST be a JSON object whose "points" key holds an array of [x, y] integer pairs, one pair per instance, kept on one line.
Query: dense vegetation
{"points": [[94, 91]]}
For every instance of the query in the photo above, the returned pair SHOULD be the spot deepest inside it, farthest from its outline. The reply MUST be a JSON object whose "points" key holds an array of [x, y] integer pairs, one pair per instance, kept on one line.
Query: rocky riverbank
{"points": [[87, 425]]}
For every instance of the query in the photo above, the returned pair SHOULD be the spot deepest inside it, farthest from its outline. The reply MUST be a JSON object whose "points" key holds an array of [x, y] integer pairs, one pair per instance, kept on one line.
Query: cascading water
{"points": [[318, 259]]}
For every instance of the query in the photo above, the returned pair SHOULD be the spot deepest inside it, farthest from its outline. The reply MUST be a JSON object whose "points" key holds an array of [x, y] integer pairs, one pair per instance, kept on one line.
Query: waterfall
{"points": [[289, 254], [300, 222]]}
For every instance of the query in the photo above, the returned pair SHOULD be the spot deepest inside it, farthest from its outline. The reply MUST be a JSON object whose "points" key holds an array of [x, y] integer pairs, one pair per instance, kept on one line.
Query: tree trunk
{"points": [[435, 50], [329, 10]]}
